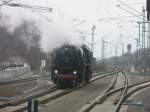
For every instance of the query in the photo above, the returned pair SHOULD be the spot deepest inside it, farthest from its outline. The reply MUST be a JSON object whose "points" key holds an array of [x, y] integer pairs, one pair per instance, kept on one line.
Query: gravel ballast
{"points": [[139, 102], [76, 99]]}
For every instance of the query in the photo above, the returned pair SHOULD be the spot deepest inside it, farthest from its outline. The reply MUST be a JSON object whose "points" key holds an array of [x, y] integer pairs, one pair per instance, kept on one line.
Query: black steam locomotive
{"points": [[71, 65]]}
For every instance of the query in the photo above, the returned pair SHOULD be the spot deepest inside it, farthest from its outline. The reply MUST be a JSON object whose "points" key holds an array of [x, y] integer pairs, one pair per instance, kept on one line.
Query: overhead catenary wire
{"points": [[83, 21], [117, 17], [121, 19], [138, 16], [129, 7], [137, 3], [131, 37]]}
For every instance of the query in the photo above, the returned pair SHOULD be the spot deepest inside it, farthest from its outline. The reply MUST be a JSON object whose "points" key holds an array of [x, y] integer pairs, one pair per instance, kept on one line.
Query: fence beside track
{"points": [[9, 73]]}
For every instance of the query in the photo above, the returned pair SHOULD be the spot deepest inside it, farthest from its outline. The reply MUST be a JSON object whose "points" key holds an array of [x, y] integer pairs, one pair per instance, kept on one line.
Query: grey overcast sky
{"points": [[71, 16]]}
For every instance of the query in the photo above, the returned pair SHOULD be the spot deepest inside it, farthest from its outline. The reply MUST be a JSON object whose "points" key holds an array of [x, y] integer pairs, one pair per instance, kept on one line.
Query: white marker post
{"points": [[32, 105]]}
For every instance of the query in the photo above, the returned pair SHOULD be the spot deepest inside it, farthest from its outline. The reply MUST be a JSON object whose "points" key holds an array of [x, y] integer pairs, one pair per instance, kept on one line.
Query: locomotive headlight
{"points": [[75, 72], [56, 71]]}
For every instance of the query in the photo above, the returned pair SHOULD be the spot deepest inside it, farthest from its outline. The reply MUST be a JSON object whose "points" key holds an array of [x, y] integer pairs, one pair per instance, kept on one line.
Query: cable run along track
{"points": [[46, 96]]}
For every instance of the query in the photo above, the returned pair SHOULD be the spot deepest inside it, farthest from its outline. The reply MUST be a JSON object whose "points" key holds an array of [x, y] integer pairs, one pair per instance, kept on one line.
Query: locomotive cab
{"points": [[87, 62]]}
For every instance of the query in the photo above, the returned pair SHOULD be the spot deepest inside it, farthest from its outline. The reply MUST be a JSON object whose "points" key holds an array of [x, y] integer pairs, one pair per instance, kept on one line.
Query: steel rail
{"points": [[68, 91], [10, 82], [117, 107], [49, 91], [104, 75], [97, 74], [24, 99], [125, 96], [45, 100], [91, 105], [106, 95]]}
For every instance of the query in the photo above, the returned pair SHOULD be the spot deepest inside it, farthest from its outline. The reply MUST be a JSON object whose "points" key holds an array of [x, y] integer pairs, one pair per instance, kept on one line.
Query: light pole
{"points": [[92, 44], [103, 47]]}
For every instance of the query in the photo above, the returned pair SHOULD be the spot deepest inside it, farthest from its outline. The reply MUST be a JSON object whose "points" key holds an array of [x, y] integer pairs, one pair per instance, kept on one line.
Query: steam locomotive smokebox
{"points": [[71, 64]]}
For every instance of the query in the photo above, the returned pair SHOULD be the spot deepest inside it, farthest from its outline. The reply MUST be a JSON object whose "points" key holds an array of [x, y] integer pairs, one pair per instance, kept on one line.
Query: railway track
{"points": [[17, 81], [100, 99], [117, 107], [126, 91], [45, 96]]}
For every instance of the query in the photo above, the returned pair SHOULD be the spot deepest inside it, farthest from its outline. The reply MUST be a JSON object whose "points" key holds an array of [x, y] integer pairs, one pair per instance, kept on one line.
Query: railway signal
{"points": [[92, 44], [148, 9]]}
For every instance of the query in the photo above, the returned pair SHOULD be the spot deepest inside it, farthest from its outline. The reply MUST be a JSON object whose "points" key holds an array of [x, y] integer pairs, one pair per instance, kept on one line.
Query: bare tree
{"points": [[23, 42]]}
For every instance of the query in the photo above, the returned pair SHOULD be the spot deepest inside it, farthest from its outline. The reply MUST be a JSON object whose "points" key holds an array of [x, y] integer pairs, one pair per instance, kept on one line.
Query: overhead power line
{"points": [[28, 6], [126, 21]]}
